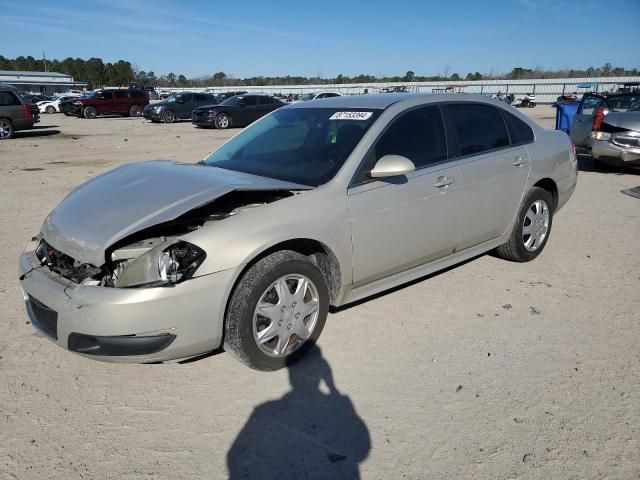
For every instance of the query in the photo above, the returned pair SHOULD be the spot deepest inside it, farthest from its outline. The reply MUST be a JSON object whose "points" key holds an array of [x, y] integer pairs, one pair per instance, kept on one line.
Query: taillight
{"points": [[597, 118], [26, 110]]}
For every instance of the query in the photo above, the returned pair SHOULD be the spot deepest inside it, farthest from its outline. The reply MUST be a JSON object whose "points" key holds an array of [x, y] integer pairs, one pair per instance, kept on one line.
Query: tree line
{"points": [[98, 74]]}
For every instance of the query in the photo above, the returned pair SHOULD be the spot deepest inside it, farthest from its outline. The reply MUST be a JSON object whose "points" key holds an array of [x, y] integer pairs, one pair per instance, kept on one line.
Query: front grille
{"points": [[43, 318], [627, 141]]}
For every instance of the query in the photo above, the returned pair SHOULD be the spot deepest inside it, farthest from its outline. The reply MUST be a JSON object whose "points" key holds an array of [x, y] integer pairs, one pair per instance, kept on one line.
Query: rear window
{"points": [[266, 101], [519, 131], [8, 99], [137, 95], [480, 128]]}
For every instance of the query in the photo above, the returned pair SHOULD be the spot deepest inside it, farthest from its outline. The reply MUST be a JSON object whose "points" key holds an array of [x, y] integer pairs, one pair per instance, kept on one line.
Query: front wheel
{"points": [[532, 228], [90, 112], [276, 312], [169, 116], [135, 111], [223, 121], [50, 109]]}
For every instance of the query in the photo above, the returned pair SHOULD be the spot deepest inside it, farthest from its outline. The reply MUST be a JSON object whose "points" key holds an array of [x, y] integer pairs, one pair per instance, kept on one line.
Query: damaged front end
{"points": [[157, 255]]}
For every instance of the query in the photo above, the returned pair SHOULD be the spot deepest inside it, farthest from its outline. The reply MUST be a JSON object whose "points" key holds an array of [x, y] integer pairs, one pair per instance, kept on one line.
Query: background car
{"points": [[53, 105], [317, 95], [110, 101], [32, 98], [238, 111], [15, 113], [177, 106], [593, 110], [615, 136]]}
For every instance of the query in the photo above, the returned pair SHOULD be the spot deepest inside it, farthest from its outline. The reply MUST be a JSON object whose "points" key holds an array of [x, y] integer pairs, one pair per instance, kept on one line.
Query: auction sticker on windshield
{"points": [[351, 116]]}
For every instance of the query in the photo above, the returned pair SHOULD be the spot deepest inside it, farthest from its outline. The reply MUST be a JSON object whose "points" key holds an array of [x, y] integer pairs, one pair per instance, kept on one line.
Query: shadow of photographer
{"points": [[305, 434]]}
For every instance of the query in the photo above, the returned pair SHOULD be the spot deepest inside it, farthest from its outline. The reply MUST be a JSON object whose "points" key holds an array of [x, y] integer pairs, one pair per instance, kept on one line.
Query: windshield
{"points": [[622, 103], [300, 145], [307, 96], [97, 93], [635, 107]]}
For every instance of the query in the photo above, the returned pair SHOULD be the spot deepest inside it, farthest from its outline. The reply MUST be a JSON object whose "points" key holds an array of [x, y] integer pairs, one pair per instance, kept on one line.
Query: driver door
{"points": [[401, 222]]}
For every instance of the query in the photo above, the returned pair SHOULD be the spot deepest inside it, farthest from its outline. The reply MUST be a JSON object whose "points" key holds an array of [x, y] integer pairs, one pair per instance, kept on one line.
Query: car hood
{"points": [[628, 120], [132, 197]]}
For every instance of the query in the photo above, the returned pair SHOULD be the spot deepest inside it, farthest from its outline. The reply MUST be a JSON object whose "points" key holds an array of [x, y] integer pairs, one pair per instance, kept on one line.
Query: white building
{"points": [[40, 82]]}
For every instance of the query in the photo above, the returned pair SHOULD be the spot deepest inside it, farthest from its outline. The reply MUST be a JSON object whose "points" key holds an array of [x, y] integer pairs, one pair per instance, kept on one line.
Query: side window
{"points": [[136, 94], [519, 132], [589, 105], [106, 95], [329, 95], [200, 97], [187, 98], [250, 100], [8, 99], [120, 94], [266, 101], [480, 128], [418, 135]]}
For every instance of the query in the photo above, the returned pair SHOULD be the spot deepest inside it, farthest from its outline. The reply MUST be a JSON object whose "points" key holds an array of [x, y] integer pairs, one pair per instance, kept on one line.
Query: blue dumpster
{"points": [[565, 111]]}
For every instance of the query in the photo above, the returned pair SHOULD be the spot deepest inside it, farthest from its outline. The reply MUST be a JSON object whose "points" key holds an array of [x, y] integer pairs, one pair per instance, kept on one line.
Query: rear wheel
{"points": [[135, 111], [276, 312], [50, 109], [90, 112], [169, 116], [532, 228], [222, 121], [6, 129]]}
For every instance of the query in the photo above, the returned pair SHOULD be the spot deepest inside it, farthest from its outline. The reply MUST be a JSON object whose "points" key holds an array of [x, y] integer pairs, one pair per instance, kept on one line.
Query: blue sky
{"points": [[245, 38]]}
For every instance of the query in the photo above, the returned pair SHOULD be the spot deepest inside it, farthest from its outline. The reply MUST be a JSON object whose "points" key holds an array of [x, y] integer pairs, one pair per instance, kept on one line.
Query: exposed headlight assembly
{"points": [[162, 266], [601, 136]]}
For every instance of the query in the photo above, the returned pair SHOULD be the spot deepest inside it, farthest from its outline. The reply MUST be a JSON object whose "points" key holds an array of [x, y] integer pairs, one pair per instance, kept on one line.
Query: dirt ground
{"points": [[490, 370]]}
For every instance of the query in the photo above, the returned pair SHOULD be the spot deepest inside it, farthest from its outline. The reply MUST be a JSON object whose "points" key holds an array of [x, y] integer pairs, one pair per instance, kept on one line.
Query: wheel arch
{"points": [[319, 254], [550, 186]]}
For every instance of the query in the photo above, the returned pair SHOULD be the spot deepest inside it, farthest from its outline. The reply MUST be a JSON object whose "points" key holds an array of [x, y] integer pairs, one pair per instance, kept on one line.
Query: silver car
{"points": [[318, 204], [609, 128]]}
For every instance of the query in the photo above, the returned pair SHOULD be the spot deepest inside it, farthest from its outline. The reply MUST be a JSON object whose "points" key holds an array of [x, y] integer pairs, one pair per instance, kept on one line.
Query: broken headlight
{"points": [[160, 267]]}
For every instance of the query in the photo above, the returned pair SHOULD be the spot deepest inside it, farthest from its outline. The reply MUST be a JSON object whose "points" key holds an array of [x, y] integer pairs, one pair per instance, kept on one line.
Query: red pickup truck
{"points": [[128, 102]]}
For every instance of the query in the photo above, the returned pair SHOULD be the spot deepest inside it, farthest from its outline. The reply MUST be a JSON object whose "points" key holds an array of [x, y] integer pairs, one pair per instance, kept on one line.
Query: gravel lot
{"points": [[490, 370]]}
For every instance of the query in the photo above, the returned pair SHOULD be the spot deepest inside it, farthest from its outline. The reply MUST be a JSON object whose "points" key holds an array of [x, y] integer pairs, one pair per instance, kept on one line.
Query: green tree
{"points": [[409, 76]]}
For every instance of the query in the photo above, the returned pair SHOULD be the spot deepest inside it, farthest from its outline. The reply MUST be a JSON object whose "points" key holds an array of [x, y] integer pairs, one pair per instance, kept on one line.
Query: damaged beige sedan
{"points": [[317, 204]]}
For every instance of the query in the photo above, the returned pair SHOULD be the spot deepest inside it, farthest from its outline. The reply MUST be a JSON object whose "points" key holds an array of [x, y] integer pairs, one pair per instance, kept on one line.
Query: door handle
{"points": [[443, 181], [519, 161]]}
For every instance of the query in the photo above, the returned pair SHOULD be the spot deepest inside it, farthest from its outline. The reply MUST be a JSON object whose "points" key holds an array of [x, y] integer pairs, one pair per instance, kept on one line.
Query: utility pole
{"points": [[44, 58]]}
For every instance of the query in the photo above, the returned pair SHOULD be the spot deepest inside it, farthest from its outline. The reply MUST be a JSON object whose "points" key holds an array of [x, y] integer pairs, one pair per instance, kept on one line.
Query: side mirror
{"points": [[392, 166]]}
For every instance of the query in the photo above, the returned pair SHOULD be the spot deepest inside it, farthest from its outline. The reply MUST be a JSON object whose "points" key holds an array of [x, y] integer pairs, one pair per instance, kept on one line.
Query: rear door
{"points": [[494, 170], [11, 107], [583, 121]]}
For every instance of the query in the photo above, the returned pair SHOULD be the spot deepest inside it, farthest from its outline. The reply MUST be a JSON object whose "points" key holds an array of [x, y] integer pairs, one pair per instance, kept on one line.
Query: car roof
{"points": [[385, 100], [4, 86]]}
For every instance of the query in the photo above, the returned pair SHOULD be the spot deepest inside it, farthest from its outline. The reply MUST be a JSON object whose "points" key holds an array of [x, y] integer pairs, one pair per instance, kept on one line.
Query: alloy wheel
{"points": [[535, 226], [5, 129], [286, 315]]}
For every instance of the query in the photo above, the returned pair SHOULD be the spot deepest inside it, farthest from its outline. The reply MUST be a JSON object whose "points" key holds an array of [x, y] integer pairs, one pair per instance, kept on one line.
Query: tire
{"points": [[523, 247], [260, 283], [135, 111], [532, 104], [90, 112], [50, 109], [168, 116], [6, 129], [222, 121]]}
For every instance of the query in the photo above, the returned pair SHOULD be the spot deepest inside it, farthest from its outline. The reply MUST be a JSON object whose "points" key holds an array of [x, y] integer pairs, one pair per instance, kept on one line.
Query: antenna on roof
{"points": [[44, 59]]}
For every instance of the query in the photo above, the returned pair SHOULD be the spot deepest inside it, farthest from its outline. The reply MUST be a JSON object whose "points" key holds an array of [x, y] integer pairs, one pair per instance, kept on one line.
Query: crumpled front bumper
{"points": [[608, 151], [73, 315]]}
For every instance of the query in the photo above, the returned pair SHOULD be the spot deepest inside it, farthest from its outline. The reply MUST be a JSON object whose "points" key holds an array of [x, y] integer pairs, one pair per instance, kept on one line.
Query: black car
{"points": [[238, 111], [177, 106], [29, 98]]}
